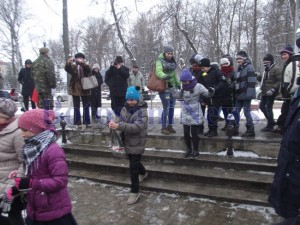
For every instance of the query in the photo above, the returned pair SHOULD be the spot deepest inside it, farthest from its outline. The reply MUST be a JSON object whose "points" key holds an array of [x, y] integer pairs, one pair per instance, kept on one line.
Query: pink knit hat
{"points": [[37, 120]]}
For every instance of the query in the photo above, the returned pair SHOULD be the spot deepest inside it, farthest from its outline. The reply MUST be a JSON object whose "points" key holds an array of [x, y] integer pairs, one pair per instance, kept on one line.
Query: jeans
{"points": [[168, 102], [246, 105], [266, 106], [136, 168], [213, 116], [229, 110]]}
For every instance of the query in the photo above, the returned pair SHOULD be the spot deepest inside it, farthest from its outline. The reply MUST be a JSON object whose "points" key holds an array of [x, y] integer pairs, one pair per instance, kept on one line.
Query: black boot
{"points": [[188, 151], [250, 131], [213, 133], [194, 155]]}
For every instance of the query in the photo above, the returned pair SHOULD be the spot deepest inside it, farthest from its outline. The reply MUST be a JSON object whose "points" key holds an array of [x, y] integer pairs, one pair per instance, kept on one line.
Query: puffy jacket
{"points": [[133, 128], [10, 154], [116, 80], [136, 80], [288, 84], [272, 81], [49, 198]]}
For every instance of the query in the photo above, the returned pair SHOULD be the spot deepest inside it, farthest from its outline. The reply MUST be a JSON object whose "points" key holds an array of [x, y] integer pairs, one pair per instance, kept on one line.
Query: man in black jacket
{"points": [[116, 79]]}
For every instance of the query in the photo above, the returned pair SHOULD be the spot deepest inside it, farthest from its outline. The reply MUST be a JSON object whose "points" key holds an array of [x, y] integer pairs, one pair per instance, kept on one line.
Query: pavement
{"points": [[102, 204]]}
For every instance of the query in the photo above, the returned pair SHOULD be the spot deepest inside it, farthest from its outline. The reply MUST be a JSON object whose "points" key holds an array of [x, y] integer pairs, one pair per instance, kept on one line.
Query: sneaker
{"points": [[133, 197], [194, 155], [171, 129], [143, 177], [165, 130], [187, 153]]}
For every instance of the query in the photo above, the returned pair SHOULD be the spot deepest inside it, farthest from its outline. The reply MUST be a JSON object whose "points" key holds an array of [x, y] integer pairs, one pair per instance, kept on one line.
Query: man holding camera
{"points": [[116, 79]]}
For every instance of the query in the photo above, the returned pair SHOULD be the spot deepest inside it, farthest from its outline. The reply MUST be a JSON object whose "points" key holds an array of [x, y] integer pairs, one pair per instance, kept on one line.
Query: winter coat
{"points": [[133, 128], [229, 97], [245, 80], [27, 81], [49, 198], [75, 87], [161, 72], [288, 84], [270, 80], [136, 80], [43, 74], [285, 190], [96, 92], [116, 80], [10, 154], [191, 108]]}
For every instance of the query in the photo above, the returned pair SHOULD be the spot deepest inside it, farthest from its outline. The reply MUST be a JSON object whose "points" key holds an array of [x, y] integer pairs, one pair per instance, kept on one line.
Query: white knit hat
{"points": [[224, 61]]}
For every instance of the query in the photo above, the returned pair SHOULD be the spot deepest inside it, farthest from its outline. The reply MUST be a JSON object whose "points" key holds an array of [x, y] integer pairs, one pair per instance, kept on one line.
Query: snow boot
{"points": [[250, 131]]}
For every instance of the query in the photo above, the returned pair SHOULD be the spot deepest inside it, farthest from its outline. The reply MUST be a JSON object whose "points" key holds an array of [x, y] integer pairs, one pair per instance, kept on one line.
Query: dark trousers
{"points": [[266, 106], [284, 111], [15, 213], [191, 137], [117, 103], [86, 109], [201, 127], [45, 101], [213, 116], [26, 102], [136, 168]]}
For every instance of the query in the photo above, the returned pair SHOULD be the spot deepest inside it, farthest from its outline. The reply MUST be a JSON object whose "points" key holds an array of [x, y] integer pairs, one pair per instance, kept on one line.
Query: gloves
{"points": [[6, 199], [210, 89], [22, 183], [167, 77], [270, 92], [178, 87]]}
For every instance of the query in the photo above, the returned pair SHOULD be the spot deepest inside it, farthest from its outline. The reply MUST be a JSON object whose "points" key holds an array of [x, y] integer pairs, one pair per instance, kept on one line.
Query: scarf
{"points": [[132, 109], [10, 120], [168, 65], [227, 69], [36, 145], [190, 85], [80, 71]]}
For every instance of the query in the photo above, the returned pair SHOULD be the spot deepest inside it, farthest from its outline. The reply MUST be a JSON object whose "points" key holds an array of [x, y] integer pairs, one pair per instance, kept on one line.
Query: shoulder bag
{"points": [[156, 84], [89, 82]]}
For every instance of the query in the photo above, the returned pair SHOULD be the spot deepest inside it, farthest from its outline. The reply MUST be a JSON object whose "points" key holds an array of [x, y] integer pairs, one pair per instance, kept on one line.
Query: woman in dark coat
{"points": [[96, 92], [27, 82]]}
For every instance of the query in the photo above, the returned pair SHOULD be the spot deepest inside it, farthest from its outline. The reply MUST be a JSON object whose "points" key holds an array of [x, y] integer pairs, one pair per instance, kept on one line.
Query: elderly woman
{"points": [[10, 160]]}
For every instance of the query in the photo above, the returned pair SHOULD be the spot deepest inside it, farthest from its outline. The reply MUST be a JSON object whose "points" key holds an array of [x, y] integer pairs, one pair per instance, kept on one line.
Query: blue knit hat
{"points": [[132, 93], [186, 75]]}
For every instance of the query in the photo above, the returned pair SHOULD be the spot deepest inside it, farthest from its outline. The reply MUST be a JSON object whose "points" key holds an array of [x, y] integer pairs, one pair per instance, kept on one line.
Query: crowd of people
{"points": [[35, 168]]}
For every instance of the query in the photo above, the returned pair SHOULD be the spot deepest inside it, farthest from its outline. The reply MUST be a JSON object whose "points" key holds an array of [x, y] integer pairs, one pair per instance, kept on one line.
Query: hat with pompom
{"points": [[37, 120], [132, 93], [186, 75], [8, 108]]}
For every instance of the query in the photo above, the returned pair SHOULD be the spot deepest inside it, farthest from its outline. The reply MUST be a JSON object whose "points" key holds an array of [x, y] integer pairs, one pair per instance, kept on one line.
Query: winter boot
{"points": [[165, 130], [213, 133], [194, 155], [225, 127], [171, 129], [250, 132]]}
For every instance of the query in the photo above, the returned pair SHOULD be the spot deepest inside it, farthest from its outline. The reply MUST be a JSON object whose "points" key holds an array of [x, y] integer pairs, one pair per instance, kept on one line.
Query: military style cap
{"points": [[44, 50]]}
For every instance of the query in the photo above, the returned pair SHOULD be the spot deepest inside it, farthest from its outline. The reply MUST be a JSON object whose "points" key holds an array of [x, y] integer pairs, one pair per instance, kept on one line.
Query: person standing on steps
{"points": [[96, 93], [245, 80], [136, 78], [192, 115], [133, 124], [166, 69]]}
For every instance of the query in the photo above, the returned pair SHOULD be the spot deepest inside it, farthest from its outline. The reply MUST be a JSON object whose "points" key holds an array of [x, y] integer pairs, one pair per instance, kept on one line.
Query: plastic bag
{"points": [[117, 145]]}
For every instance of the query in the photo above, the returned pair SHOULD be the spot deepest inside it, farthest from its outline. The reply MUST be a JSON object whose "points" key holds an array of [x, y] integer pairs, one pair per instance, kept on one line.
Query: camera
{"points": [[74, 60]]}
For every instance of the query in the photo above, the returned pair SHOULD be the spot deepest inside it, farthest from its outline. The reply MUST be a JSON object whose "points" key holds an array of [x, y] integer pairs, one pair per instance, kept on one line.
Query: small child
{"points": [[45, 170], [192, 115], [133, 124]]}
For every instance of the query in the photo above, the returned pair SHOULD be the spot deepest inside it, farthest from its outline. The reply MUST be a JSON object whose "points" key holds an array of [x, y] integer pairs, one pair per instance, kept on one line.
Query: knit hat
{"points": [[186, 75], [37, 120], [96, 65], [28, 61], [168, 49], [119, 59], [241, 55], [7, 108], [268, 57], [205, 62], [44, 50], [224, 62], [287, 49], [79, 55], [132, 93], [228, 56]]}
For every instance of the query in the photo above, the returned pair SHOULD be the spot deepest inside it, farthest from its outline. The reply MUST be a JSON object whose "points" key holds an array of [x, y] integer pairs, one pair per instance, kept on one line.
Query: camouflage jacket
{"points": [[43, 74]]}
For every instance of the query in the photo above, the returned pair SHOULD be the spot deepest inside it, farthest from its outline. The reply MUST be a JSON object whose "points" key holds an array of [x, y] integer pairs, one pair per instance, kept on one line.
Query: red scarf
{"points": [[227, 69]]}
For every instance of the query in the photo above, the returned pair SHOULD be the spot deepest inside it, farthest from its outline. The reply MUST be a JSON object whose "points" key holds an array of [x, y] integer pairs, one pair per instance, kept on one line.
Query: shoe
{"points": [[133, 197], [165, 131], [213, 133], [224, 128], [171, 129], [207, 133], [249, 133], [194, 155], [187, 153], [143, 177], [267, 129]]}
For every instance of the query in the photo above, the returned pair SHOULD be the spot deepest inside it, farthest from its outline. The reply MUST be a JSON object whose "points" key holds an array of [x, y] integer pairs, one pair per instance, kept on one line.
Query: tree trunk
{"points": [[66, 34]]}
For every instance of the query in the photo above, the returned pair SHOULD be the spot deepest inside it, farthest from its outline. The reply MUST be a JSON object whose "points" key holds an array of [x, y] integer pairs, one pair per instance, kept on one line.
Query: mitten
{"points": [[22, 183], [210, 89], [6, 199], [167, 77], [270, 92]]}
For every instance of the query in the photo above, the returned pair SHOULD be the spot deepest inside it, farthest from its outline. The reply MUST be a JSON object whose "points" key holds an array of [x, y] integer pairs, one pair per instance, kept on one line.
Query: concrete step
{"points": [[194, 189]]}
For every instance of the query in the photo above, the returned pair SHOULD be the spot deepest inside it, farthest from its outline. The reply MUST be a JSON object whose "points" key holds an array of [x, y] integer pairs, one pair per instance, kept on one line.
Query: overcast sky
{"points": [[47, 18]]}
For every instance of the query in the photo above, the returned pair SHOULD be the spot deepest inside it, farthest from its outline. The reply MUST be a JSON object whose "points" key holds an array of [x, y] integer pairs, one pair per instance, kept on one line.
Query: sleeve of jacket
{"points": [[139, 124], [222, 83], [18, 143], [86, 69], [108, 74], [159, 69], [142, 81], [125, 72], [58, 172], [251, 77], [20, 77], [100, 79], [51, 74], [68, 68], [277, 78]]}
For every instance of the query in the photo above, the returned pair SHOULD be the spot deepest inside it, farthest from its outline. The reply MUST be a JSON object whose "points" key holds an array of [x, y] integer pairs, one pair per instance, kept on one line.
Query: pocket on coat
{"points": [[41, 200]]}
